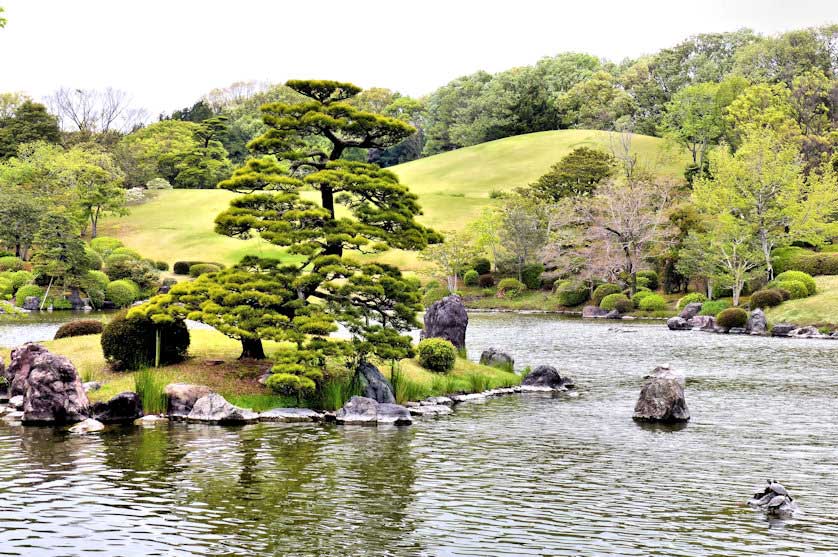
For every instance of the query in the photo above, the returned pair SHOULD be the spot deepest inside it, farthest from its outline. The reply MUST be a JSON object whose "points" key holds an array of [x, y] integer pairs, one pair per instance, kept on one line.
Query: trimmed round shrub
{"points": [[127, 251], [202, 269], [471, 278], [766, 298], [531, 276], [642, 282], [98, 278], [11, 263], [572, 294], [129, 344], [784, 293], [713, 307], [122, 292], [158, 184], [28, 290], [437, 354], [604, 290], [805, 278], [653, 302], [691, 298], [6, 288], [79, 328], [486, 281], [105, 245], [482, 265], [94, 260], [20, 278], [511, 288], [182, 267], [624, 306], [139, 271], [433, 295], [610, 301], [732, 317], [638, 296], [651, 276], [795, 288], [288, 384], [161, 265]]}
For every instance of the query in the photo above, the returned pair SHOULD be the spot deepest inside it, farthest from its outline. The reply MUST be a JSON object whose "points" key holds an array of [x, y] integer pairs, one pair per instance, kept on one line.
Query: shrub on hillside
{"points": [[482, 265], [784, 293], [651, 276], [766, 298], [437, 354], [126, 251], [20, 278], [94, 259], [511, 288], [182, 267], [203, 269], [610, 302], [795, 288], [161, 265], [11, 263], [572, 294], [471, 278], [531, 276], [79, 328], [486, 281], [805, 278], [135, 270], [129, 344], [638, 297], [652, 302], [795, 258], [26, 291], [732, 317], [105, 245], [713, 307], [122, 292], [691, 298], [604, 290], [97, 278]]}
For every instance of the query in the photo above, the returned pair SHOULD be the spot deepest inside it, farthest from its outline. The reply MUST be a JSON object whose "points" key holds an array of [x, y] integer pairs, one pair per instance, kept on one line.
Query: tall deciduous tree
{"points": [[451, 256], [524, 229]]}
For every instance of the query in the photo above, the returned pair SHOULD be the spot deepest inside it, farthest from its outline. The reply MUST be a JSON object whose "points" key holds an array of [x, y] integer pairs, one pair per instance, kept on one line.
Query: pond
{"points": [[38, 326], [522, 475]]}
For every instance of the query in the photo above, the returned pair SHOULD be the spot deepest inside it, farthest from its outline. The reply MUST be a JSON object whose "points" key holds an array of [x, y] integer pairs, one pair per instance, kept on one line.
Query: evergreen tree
{"points": [[31, 122]]}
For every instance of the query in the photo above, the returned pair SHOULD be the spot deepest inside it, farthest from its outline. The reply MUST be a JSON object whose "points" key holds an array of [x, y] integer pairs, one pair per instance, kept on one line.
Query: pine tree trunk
{"points": [[252, 349]]}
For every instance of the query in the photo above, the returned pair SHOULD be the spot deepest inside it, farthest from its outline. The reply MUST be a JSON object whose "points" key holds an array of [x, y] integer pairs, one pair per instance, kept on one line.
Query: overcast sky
{"points": [[169, 53]]}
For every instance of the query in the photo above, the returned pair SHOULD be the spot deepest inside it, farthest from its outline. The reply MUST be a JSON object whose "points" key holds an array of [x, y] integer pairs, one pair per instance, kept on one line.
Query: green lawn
{"points": [[453, 187], [820, 309]]}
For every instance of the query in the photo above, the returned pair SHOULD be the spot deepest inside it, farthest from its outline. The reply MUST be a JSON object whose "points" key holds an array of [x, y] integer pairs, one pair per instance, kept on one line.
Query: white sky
{"points": [[168, 53]]}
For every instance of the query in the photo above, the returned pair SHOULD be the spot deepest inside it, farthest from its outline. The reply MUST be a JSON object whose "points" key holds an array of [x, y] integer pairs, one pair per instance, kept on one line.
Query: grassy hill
{"points": [[820, 309], [453, 188]]}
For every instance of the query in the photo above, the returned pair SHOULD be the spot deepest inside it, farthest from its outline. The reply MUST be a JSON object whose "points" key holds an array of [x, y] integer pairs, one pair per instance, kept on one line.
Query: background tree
{"points": [[19, 218], [485, 232], [29, 122], [92, 111], [59, 252], [524, 229], [451, 256], [97, 184], [576, 174]]}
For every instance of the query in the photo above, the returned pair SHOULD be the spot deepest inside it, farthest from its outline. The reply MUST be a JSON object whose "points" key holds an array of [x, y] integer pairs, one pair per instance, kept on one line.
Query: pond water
{"points": [[39, 325], [521, 475]]}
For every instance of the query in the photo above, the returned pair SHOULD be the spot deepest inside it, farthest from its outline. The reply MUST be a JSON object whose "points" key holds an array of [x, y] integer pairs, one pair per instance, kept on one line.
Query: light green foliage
{"points": [[596, 103], [652, 302], [604, 290], [26, 291], [10, 263], [807, 280], [511, 288], [572, 294], [638, 297], [98, 278], [451, 255], [202, 268], [291, 385], [610, 301], [437, 354], [713, 307], [797, 289], [576, 174], [149, 385], [122, 292], [692, 297], [470, 277], [105, 245]]}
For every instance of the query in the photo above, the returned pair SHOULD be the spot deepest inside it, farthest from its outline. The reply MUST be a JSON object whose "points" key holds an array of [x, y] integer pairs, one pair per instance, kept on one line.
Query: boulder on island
{"points": [[782, 329], [496, 358], [182, 397], [447, 318], [365, 411], [546, 376], [54, 394], [374, 385], [214, 408], [662, 397], [690, 310], [124, 407]]}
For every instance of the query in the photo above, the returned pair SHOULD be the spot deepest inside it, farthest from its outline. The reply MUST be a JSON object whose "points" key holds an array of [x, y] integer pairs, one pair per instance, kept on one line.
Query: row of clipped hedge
{"points": [[807, 261]]}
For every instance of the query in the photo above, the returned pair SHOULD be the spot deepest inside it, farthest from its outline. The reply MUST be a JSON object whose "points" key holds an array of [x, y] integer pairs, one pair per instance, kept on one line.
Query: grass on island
{"points": [[452, 187], [820, 310]]}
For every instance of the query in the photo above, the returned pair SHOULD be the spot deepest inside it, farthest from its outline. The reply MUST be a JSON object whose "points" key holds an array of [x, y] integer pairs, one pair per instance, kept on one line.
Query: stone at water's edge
{"points": [[430, 410], [782, 329], [365, 411], [678, 324], [54, 394], [662, 397], [757, 323], [593, 311], [182, 397], [690, 311], [496, 358], [17, 374], [703, 322], [374, 385], [447, 318], [546, 376], [124, 407], [87, 426], [16, 402], [32, 303], [214, 408], [290, 415]]}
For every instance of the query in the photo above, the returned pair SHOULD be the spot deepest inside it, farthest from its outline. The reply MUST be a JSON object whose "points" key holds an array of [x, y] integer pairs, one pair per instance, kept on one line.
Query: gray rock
{"points": [[91, 386], [703, 322], [182, 397], [447, 318], [17, 374], [806, 332], [87, 426], [613, 314], [496, 358], [678, 324], [590, 312], [32, 303], [16, 402], [782, 329], [443, 400], [124, 407], [544, 376], [151, 419], [757, 323], [54, 394], [374, 385], [365, 411], [431, 410], [214, 408], [737, 330], [662, 397], [393, 414], [690, 311], [290, 415]]}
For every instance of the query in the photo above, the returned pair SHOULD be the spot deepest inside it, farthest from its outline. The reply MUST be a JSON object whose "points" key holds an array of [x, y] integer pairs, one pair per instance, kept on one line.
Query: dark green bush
{"points": [[623, 305], [690, 298], [161, 265], [511, 288], [713, 307], [766, 298], [795, 288], [28, 290], [794, 258], [471, 278], [129, 344], [482, 265], [784, 293], [805, 278], [122, 292], [531, 276], [182, 267], [652, 302], [11, 263], [572, 294], [202, 269], [651, 276], [485, 281], [610, 302], [732, 317], [79, 328], [437, 354], [604, 290]]}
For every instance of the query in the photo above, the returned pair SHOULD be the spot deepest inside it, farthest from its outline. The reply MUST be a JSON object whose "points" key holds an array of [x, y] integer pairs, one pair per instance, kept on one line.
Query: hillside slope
{"points": [[453, 187]]}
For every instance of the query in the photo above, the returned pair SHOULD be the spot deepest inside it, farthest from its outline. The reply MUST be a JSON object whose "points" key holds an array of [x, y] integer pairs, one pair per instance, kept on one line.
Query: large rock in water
{"points": [[662, 397], [17, 374], [447, 318], [690, 310], [365, 411], [782, 329], [182, 397], [546, 376], [374, 385], [54, 394], [496, 358], [757, 323], [124, 407], [678, 324], [215, 409]]}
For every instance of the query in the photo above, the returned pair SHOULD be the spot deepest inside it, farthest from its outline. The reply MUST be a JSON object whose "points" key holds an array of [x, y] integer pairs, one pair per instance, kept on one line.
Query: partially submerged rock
{"points": [[774, 500], [374, 385], [678, 324], [662, 397], [430, 410], [782, 329], [447, 318], [290, 415], [214, 408], [365, 411], [182, 397], [806, 332], [546, 376], [703, 322], [590, 312], [87, 426], [496, 358], [124, 407], [54, 394]]}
